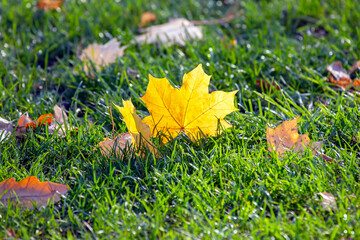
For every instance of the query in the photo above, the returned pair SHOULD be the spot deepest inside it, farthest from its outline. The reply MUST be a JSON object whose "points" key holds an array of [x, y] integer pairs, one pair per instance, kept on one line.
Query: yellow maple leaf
{"points": [[140, 132], [190, 109]]}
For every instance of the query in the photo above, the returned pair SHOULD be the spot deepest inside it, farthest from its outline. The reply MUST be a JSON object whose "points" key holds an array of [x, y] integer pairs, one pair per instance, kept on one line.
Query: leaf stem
{"points": [[112, 120]]}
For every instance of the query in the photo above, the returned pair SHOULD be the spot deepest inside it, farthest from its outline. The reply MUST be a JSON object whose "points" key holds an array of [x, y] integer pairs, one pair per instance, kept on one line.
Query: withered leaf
{"points": [[31, 190], [45, 119], [49, 4], [59, 122], [101, 55], [328, 200], [116, 146], [340, 77], [286, 138], [6, 128], [24, 122], [146, 18], [177, 31]]}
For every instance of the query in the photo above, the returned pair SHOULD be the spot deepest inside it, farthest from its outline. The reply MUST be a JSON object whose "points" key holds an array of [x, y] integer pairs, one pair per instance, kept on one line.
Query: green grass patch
{"points": [[225, 187]]}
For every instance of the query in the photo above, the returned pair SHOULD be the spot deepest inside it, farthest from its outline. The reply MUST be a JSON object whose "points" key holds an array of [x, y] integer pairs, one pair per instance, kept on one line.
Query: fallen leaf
{"points": [[329, 201], [266, 86], [140, 132], [116, 146], [146, 18], [30, 190], [190, 109], [101, 55], [177, 31], [45, 119], [49, 4], [354, 69], [286, 138], [6, 128], [60, 120], [24, 122], [340, 77]]}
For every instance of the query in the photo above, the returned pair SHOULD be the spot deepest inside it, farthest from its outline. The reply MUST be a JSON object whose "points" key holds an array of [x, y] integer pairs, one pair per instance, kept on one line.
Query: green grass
{"points": [[225, 187]]}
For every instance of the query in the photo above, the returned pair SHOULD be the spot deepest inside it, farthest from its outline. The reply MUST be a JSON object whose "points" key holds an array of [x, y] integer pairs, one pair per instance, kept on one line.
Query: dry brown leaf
{"points": [[116, 145], [147, 17], [59, 122], [340, 77], [177, 31], [56, 122], [286, 138], [24, 122], [49, 4], [329, 201], [101, 55], [6, 128], [31, 190], [354, 68]]}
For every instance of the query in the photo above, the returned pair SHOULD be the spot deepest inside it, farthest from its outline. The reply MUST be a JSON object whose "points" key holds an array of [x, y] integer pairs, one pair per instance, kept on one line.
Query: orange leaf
{"points": [[31, 190], [286, 138], [49, 4], [45, 119], [24, 122], [146, 18]]}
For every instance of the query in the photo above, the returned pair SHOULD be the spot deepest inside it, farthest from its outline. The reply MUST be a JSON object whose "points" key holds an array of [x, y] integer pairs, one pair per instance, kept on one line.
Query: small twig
{"points": [[112, 120]]}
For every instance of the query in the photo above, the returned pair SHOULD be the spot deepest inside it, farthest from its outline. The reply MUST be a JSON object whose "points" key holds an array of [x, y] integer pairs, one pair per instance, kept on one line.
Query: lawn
{"points": [[224, 187]]}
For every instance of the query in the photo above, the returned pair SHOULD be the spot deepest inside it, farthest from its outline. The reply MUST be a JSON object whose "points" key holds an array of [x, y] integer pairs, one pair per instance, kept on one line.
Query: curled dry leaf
{"points": [[24, 122], [286, 138], [6, 128], [140, 132], [30, 190], [340, 77], [146, 18], [329, 201], [60, 122], [177, 31], [102, 55], [49, 4], [190, 109], [116, 145]]}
